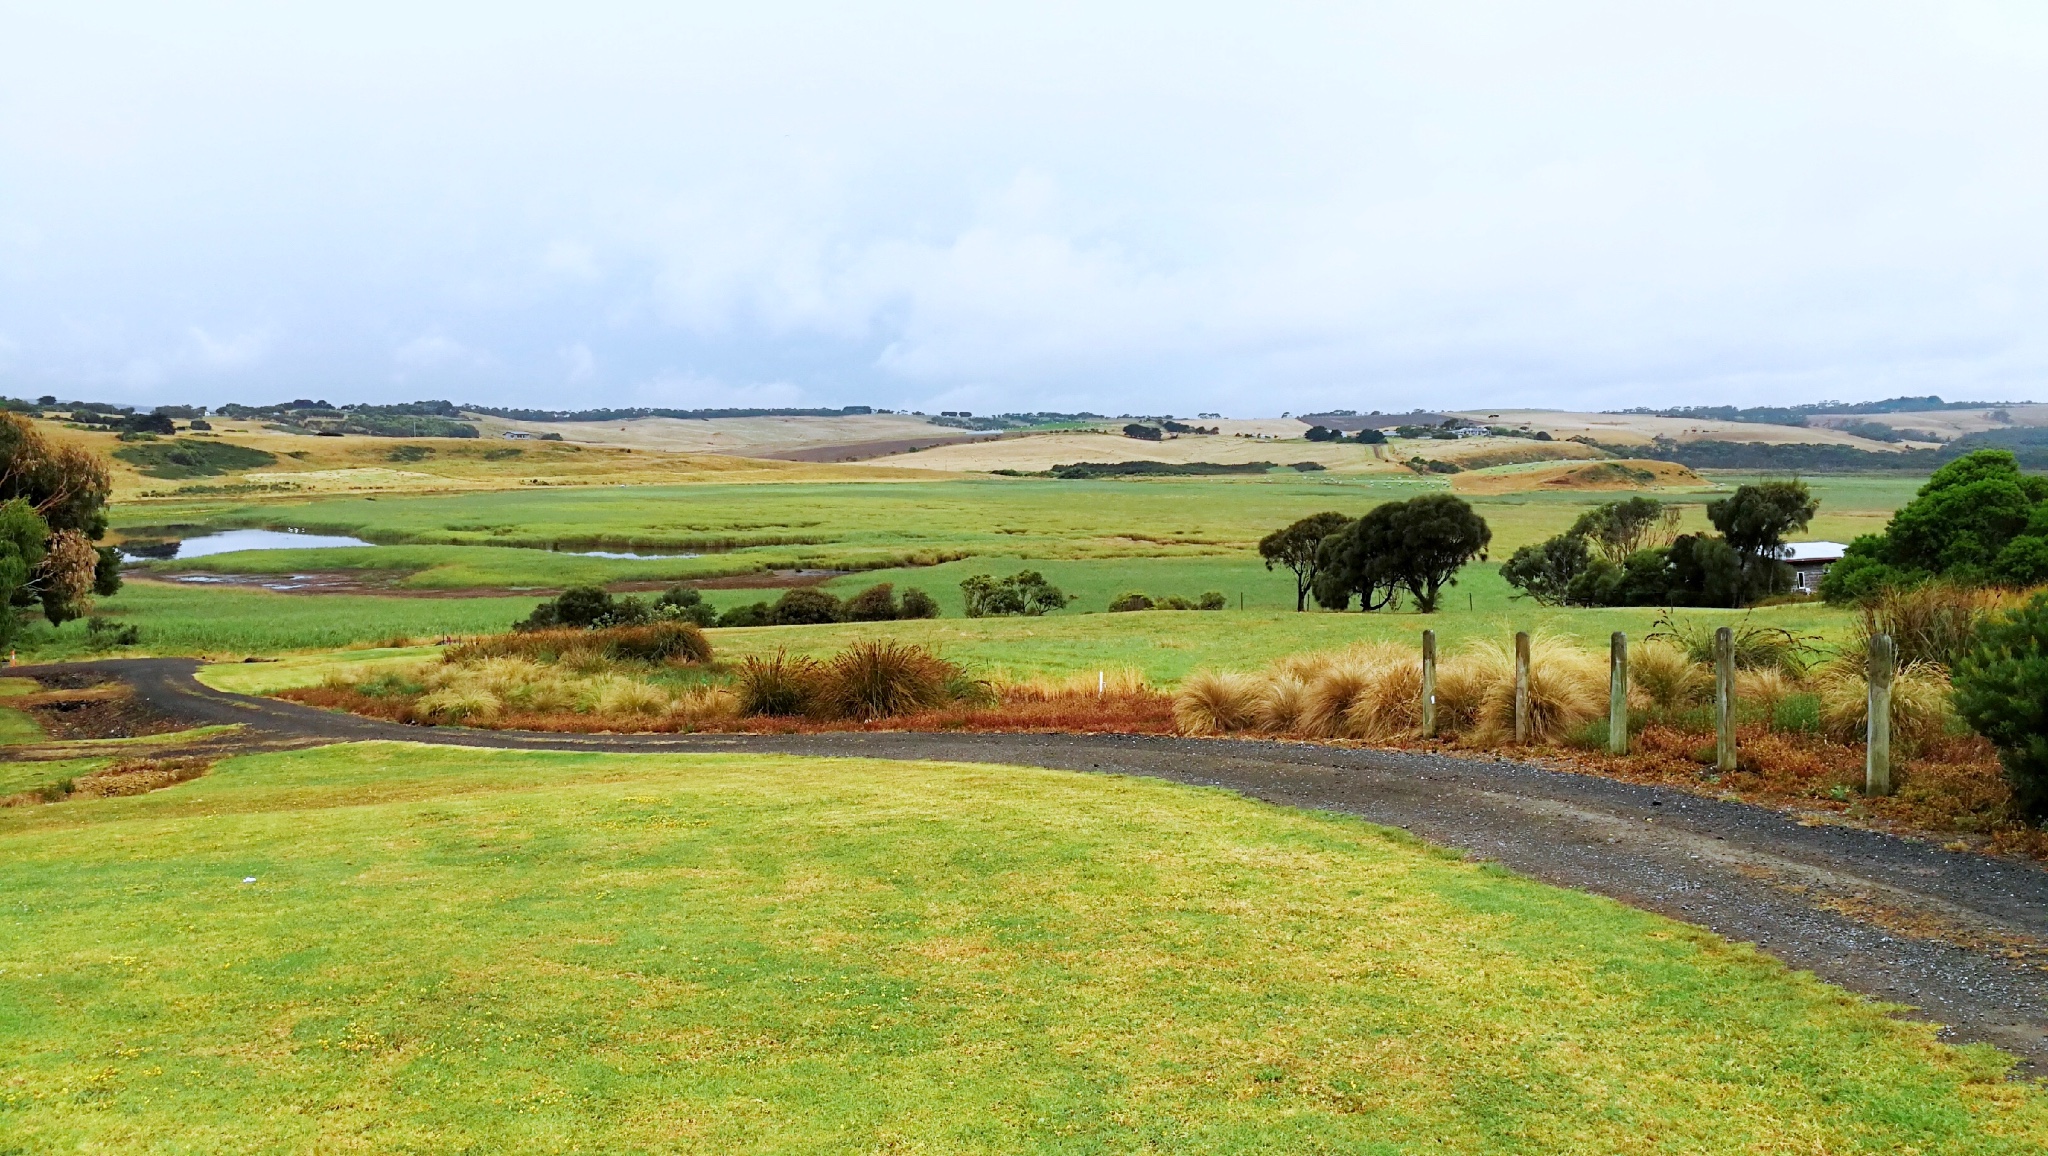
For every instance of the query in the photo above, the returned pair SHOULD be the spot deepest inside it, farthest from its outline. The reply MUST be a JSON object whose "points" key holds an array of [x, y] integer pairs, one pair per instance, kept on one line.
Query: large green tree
{"points": [[1414, 547], [1755, 521], [1977, 519], [64, 490], [1296, 547]]}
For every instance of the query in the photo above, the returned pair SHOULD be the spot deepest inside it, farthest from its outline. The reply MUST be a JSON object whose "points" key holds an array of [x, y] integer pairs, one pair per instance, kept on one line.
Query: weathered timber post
{"points": [[1877, 765], [1429, 684], [1724, 700], [1521, 687], [1617, 694]]}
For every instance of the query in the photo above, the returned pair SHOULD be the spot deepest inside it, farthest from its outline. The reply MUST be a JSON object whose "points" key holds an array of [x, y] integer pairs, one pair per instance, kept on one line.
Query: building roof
{"points": [[1797, 552]]}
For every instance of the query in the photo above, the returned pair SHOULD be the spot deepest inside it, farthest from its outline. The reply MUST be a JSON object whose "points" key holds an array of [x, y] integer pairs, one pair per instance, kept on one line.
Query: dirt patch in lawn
{"points": [[108, 710]]}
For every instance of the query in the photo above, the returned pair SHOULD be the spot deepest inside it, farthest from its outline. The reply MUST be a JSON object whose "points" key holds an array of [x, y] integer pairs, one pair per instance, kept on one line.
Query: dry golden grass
{"points": [[1216, 702], [1664, 678], [1763, 688], [1921, 707], [1122, 682], [1280, 703], [1567, 690]]}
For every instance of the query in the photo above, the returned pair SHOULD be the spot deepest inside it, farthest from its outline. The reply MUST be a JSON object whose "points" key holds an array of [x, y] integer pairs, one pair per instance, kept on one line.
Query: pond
{"points": [[616, 554], [228, 541]]}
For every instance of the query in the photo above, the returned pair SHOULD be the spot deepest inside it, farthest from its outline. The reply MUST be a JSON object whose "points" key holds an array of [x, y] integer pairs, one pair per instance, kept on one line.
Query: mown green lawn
{"points": [[387, 947]]}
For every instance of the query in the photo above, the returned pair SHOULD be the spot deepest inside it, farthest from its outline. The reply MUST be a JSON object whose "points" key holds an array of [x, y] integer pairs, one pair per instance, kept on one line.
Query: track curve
{"points": [[1959, 936]]}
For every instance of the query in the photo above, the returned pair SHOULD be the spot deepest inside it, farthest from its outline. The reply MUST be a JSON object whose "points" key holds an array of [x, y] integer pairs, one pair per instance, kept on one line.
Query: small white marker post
{"points": [[1101, 681]]}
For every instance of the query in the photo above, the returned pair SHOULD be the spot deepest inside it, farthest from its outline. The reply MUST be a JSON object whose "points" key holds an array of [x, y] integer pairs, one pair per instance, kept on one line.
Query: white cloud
{"points": [[217, 353], [432, 351], [580, 363], [1118, 205], [689, 391]]}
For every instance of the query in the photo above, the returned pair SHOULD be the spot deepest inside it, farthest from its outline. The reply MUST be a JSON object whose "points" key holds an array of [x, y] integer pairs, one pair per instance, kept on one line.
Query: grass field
{"points": [[386, 947], [1094, 539]]}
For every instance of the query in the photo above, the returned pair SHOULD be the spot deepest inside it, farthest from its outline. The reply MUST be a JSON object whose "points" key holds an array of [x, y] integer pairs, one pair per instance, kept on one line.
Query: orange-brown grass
{"points": [[1137, 713]]}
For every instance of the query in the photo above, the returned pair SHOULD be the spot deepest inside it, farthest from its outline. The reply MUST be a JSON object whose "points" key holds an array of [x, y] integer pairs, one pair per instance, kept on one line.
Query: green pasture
{"points": [[177, 619], [386, 947], [439, 540]]}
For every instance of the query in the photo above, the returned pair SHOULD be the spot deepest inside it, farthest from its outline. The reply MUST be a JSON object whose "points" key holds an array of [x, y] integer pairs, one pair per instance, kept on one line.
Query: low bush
{"points": [[875, 604], [2001, 689], [1023, 593], [587, 608], [805, 607], [1131, 600], [681, 603], [752, 614], [917, 604]]}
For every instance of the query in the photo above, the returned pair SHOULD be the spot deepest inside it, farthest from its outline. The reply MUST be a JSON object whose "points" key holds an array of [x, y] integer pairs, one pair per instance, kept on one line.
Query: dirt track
{"points": [[1960, 936]]}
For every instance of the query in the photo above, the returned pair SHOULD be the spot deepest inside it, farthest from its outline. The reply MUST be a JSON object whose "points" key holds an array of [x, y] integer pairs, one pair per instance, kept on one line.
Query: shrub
{"points": [[918, 604], [805, 607], [1215, 702], [782, 685], [1025, 592], [877, 679], [2001, 689], [107, 632], [681, 603], [1130, 600], [585, 608], [754, 614], [875, 604]]}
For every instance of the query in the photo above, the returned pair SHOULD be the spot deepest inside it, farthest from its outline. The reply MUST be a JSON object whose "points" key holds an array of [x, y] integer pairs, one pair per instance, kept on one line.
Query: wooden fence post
{"points": [[1877, 766], [1521, 687], [1724, 700], [1429, 684], [1617, 694]]}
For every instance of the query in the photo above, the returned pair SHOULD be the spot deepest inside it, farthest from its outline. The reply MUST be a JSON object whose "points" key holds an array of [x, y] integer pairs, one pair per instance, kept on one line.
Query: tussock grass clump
{"points": [[782, 685], [1216, 702], [1280, 703], [879, 678], [1567, 690], [1921, 706], [1665, 678], [1389, 704], [1763, 689], [1933, 623]]}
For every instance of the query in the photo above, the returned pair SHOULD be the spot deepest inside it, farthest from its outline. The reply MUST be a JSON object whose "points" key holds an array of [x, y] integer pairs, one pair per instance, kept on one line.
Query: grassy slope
{"points": [[448, 950]]}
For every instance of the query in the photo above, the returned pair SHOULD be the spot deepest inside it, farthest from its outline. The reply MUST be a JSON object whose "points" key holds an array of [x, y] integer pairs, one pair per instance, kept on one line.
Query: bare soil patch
{"points": [[104, 711]]}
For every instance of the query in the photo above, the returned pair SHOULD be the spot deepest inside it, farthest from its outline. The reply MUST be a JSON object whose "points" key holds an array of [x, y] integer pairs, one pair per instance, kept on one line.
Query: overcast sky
{"points": [[1149, 208]]}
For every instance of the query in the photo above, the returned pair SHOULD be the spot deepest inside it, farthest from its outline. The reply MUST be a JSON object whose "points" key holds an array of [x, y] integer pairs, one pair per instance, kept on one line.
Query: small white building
{"points": [[1810, 562]]}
